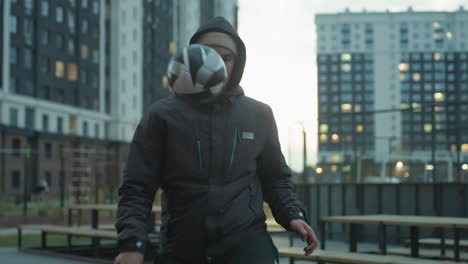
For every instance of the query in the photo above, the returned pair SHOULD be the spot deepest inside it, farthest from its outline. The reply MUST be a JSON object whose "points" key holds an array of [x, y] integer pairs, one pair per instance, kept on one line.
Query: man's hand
{"points": [[129, 258], [306, 233]]}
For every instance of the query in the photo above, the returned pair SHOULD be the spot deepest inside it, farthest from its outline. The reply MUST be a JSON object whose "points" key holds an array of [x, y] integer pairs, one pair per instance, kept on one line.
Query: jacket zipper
{"points": [[199, 148], [234, 143]]}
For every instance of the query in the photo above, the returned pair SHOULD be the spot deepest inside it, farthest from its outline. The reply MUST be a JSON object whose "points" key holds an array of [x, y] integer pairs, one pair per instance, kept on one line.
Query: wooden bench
{"points": [[95, 234], [436, 243], [322, 256]]}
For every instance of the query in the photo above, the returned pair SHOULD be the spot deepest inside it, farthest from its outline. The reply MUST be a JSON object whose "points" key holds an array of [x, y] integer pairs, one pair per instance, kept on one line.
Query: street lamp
{"points": [[399, 164], [319, 170], [465, 167]]}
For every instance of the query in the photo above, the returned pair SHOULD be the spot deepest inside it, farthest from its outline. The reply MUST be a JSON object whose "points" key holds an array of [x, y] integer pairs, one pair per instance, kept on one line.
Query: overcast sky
{"points": [[280, 40]]}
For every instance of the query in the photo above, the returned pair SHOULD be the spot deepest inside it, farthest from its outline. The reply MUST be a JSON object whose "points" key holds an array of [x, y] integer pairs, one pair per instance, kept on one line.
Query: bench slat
{"points": [[354, 258]]}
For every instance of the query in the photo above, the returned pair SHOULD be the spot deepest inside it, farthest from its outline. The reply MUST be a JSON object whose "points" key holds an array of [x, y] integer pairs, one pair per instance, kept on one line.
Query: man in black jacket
{"points": [[216, 161]]}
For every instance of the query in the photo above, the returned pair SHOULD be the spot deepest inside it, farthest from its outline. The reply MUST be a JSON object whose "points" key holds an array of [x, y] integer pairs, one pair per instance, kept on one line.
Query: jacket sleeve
{"points": [[140, 182], [278, 190]]}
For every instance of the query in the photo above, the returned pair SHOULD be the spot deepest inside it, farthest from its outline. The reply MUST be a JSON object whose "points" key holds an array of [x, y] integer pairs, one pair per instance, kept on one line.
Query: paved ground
{"points": [[12, 256]]}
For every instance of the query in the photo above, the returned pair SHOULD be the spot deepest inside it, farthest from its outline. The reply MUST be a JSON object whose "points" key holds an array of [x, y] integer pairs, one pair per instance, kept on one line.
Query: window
{"points": [[84, 52], [135, 57], [59, 39], [71, 46], [94, 80], [45, 7], [13, 24], [28, 31], [59, 125], [85, 128], [15, 179], [96, 130], [13, 55], [44, 37], [71, 22], [95, 56], [28, 87], [13, 85], [84, 26], [45, 123], [59, 14], [48, 151], [83, 77], [13, 117], [44, 65], [48, 178], [95, 7], [29, 118], [124, 39], [28, 58], [124, 63], [59, 69], [44, 92], [124, 17], [72, 72], [28, 7], [84, 3]]}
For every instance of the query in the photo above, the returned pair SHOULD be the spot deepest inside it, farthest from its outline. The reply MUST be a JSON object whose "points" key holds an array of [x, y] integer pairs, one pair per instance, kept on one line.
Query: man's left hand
{"points": [[306, 233]]}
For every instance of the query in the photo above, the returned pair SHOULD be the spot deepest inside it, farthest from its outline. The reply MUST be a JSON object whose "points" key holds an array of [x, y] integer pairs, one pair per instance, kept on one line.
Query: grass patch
{"points": [[34, 240]]}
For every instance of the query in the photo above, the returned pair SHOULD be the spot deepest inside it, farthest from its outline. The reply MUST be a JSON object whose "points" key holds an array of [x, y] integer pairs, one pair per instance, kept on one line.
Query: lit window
{"points": [[428, 128], [402, 77], [439, 97], [346, 67], [323, 128], [335, 138], [72, 124], [346, 57], [359, 128], [165, 82], [416, 77], [449, 35], [436, 25], [437, 56], [172, 47], [335, 159], [357, 108], [72, 72], [323, 138], [84, 52], [59, 69], [403, 67], [439, 108], [346, 108], [416, 107], [464, 147]]}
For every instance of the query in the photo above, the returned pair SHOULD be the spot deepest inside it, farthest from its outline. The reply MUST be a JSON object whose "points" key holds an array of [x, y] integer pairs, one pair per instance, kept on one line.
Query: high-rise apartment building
{"points": [[393, 94]]}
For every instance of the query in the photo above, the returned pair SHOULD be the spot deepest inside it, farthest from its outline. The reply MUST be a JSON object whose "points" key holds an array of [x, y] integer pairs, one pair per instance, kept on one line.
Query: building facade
{"points": [[76, 78], [393, 94]]}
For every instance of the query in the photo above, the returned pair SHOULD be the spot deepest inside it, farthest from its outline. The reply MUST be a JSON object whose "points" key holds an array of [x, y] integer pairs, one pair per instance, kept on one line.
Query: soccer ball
{"points": [[197, 71]]}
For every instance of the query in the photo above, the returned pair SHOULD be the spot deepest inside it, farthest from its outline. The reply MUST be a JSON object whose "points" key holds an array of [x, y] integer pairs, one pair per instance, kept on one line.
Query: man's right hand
{"points": [[129, 258]]}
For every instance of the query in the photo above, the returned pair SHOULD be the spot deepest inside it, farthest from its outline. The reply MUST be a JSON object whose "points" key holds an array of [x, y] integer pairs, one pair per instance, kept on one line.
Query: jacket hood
{"points": [[220, 24]]}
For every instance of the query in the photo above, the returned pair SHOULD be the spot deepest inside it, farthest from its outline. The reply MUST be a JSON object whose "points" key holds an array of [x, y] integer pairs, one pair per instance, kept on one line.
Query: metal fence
{"points": [[429, 199]]}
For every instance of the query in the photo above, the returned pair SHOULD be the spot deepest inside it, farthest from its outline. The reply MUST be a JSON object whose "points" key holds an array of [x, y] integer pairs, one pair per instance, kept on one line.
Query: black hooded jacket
{"points": [[216, 164]]}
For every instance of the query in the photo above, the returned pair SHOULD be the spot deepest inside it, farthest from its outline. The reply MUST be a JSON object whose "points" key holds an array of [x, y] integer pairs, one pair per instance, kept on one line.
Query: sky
{"points": [[280, 39]]}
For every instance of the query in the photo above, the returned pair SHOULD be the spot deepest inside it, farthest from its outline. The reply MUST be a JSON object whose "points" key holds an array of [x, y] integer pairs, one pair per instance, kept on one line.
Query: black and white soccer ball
{"points": [[197, 71]]}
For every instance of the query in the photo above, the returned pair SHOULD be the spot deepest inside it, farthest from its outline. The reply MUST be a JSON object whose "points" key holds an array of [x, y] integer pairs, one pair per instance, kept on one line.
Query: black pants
{"points": [[254, 248]]}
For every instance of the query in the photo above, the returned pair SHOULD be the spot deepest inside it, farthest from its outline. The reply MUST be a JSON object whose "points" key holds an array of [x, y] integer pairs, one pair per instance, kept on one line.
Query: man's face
{"points": [[228, 57]]}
